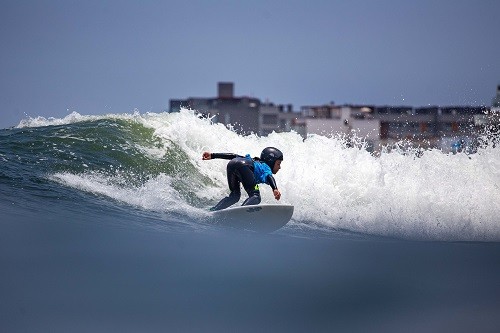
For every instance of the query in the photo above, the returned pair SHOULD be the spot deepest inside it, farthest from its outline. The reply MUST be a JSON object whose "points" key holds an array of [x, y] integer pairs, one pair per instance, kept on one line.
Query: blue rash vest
{"points": [[260, 170]]}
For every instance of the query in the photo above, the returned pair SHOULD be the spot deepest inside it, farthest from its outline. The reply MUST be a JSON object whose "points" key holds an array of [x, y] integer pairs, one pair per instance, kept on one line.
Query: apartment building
{"points": [[242, 113]]}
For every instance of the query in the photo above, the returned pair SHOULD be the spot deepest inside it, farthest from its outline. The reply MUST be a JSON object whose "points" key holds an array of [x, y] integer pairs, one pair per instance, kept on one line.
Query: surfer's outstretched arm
{"points": [[225, 156]]}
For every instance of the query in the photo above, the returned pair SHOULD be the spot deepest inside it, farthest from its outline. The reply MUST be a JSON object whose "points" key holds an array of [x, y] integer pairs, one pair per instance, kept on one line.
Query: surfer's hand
{"points": [[277, 194], [206, 155]]}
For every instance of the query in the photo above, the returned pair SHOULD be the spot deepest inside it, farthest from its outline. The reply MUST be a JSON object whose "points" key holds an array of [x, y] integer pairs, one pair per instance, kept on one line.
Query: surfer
{"points": [[249, 172]]}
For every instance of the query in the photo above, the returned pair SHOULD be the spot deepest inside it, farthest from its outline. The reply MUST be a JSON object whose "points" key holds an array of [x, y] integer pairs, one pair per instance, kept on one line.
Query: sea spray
{"points": [[153, 161]]}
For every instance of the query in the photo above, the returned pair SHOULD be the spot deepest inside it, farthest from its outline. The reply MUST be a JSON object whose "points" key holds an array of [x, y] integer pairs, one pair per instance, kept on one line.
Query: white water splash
{"points": [[435, 196]]}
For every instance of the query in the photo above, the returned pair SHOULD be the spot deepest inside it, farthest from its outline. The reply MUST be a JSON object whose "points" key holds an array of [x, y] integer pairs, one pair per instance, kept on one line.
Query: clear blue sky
{"points": [[97, 57]]}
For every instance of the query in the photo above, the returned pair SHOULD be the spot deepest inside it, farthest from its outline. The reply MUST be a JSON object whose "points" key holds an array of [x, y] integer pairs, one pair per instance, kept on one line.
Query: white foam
{"points": [[156, 194], [73, 117], [436, 196]]}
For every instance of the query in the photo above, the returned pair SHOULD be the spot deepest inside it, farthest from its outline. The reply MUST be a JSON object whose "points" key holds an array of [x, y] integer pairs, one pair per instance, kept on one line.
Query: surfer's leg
{"points": [[254, 199], [250, 186], [234, 186], [233, 198]]}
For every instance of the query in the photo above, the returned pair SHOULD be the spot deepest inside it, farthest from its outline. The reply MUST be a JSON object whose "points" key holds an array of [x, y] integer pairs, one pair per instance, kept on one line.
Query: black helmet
{"points": [[270, 155]]}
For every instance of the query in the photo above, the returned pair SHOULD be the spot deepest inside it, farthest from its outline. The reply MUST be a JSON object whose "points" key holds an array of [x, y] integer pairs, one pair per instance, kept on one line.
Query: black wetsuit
{"points": [[241, 170]]}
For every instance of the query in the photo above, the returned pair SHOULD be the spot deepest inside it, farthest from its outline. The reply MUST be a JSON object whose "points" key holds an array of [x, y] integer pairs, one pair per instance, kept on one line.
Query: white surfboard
{"points": [[259, 218]]}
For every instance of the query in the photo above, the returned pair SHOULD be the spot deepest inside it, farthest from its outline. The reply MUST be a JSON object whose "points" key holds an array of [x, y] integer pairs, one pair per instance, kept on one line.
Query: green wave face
{"points": [[124, 151]]}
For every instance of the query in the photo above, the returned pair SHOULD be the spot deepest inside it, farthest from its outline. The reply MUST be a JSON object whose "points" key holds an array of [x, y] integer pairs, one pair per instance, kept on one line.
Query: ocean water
{"points": [[104, 227]]}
